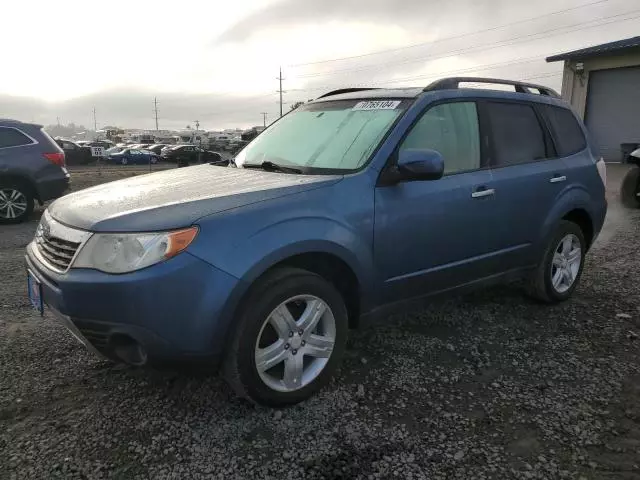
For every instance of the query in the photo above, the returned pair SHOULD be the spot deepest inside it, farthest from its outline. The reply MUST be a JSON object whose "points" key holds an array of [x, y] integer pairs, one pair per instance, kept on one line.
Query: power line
{"points": [[488, 46], [475, 68], [455, 37]]}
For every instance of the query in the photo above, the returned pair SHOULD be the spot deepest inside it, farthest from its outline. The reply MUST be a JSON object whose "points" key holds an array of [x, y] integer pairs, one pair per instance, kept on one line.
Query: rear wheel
{"points": [[630, 188], [16, 202], [290, 338], [557, 276]]}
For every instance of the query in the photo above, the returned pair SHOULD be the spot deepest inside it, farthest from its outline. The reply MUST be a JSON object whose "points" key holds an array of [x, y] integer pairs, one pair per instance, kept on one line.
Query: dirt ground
{"points": [[488, 385]]}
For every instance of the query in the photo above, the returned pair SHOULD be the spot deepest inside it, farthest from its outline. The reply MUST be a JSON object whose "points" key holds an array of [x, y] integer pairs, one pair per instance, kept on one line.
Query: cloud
{"points": [[413, 14], [134, 108]]}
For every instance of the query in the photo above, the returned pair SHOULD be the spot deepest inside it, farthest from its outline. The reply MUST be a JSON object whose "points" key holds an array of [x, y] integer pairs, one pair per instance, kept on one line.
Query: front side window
{"points": [[517, 134], [12, 137], [334, 135], [452, 130]]}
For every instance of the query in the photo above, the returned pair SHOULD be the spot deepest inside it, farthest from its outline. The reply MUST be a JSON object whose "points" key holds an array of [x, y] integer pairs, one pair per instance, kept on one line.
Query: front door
{"points": [[434, 235]]}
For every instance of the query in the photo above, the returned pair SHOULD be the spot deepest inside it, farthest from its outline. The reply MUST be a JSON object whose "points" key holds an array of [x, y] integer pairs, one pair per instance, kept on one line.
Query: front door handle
{"points": [[483, 192], [558, 178]]}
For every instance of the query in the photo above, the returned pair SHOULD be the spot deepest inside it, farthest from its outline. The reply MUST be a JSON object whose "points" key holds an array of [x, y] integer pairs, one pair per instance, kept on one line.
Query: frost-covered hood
{"points": [[175, 198]]}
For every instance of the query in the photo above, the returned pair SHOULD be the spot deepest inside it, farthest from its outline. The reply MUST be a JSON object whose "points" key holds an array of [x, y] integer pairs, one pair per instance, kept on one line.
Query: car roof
{"points": [[10, 122], [412, 92], [521, 90]]}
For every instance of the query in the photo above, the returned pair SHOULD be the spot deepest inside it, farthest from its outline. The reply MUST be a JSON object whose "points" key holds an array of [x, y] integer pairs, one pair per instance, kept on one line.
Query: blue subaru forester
{"points": [[350, 206]]}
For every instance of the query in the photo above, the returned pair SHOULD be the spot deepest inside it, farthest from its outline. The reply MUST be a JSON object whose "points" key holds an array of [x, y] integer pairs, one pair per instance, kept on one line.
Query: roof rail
{"points": [[520, 87], [345, 90]]}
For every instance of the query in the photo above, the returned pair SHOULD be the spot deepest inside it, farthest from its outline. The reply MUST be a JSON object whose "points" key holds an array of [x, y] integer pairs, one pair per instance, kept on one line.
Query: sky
{"points": [[218, 62]]}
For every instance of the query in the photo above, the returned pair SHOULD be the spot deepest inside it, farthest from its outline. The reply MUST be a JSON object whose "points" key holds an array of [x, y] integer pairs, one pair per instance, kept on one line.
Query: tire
{"points": [[256, 334], [16, 202], [542, 286], [630, 188]]}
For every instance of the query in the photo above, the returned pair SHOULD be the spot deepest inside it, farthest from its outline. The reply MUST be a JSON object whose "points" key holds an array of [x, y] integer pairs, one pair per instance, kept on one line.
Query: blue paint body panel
{"points": [[401, 241]]}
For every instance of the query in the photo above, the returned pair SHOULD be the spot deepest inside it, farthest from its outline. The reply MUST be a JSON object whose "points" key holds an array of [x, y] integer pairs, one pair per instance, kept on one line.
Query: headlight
{"points": [[126, 252]]}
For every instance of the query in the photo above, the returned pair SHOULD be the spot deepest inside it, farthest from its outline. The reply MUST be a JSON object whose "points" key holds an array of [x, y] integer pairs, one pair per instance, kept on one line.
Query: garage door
{"points": [[613, 110]]}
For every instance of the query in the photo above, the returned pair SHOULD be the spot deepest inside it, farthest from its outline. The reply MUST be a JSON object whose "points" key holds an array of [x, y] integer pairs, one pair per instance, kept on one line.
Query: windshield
{"points": [[338, 135]]}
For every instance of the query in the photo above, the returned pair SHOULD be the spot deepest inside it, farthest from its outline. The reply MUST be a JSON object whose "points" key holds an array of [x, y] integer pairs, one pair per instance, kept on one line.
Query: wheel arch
{"points": [[575, 206], [329, 260], [23, 179], [581, 217], [332, 268]]}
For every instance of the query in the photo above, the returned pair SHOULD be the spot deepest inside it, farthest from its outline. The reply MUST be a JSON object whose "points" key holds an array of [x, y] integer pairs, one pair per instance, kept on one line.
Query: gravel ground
{"points": [[489, 385]]}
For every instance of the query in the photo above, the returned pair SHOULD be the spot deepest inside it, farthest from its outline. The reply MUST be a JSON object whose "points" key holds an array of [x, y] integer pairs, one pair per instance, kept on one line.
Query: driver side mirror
{"points": [[415, 165]]}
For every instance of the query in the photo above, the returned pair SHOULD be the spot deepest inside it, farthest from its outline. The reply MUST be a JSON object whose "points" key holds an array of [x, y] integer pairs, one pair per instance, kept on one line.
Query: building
{"points": [[602, 83]]}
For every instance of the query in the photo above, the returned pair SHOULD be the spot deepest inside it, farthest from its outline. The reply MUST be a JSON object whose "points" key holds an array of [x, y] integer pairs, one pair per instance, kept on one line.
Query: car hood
{"points": [[175, 198]]}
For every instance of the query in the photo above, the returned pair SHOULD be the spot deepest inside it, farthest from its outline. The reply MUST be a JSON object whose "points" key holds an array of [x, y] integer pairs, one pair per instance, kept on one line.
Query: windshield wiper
{"points": [[272, 167]]}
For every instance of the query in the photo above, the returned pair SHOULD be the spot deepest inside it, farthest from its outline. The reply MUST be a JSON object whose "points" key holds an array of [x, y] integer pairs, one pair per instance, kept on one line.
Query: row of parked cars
{"points": [[145, 154], [79, 153]]}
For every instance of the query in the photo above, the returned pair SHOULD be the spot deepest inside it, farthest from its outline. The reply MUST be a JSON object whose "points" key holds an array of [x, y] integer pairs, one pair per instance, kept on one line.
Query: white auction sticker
{"points": [[377, 105]]}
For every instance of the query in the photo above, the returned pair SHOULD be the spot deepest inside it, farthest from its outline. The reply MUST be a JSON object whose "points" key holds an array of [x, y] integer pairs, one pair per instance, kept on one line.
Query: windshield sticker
{"points": [[377, 105]]}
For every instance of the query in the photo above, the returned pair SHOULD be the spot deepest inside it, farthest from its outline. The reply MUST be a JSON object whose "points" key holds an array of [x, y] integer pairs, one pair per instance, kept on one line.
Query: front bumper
{"points": [[176, 310]]}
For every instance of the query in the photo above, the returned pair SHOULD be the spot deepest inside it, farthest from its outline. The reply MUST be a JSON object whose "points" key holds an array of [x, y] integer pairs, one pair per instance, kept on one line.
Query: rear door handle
{"points": [[482, 192], [558, 178]]}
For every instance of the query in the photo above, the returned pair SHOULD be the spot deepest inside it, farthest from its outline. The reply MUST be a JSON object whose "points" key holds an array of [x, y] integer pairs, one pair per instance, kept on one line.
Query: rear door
{"points": [[527, 176]]}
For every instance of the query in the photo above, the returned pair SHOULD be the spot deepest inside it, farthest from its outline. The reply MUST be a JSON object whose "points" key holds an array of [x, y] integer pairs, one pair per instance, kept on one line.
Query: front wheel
{"points": [[630, 188], [557, 276], [290, 338]]}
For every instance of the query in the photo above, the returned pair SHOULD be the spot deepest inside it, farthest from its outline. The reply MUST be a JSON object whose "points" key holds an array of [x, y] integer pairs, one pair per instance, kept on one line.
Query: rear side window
{"points": [[517, 134], [568, 135], [11, 137]]}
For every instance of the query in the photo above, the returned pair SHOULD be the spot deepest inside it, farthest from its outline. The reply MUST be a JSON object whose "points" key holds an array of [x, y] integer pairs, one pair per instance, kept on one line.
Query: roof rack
{"points": [[520, 87], [346, 90]]}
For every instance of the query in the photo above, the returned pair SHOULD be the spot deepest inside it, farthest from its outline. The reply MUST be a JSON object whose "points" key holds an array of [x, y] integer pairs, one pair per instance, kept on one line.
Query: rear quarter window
{"points": [[569, 137], [12, 137]]}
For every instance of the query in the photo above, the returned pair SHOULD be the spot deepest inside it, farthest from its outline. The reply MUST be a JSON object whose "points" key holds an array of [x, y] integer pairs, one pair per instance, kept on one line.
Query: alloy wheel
{"points": [[295, 343], [13, 203], [566, 263]]}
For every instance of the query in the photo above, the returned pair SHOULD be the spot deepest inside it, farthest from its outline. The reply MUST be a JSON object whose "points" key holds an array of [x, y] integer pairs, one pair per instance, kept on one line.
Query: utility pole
{"points": [[95, 124], [264, 119], [197, 123], [280, 90], [155, 104]]}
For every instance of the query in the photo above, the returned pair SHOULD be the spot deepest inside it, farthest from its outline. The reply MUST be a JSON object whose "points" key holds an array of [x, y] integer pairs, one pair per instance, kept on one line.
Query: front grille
{"points": [[56, 251], [57, 244]]}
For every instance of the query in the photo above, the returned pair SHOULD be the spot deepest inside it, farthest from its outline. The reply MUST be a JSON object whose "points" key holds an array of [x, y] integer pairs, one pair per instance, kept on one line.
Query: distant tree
{"points": [[64, 131], [296, 105]]}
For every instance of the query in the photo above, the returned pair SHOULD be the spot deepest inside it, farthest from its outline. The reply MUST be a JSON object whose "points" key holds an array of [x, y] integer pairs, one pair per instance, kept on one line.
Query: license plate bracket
{"points": [[34, 288]]}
